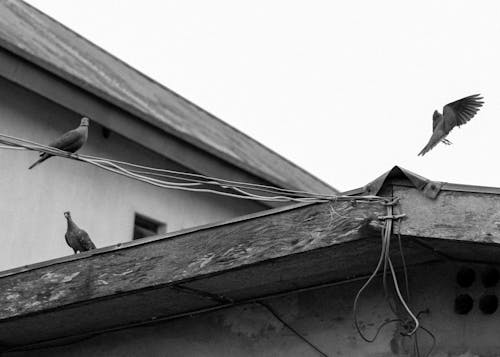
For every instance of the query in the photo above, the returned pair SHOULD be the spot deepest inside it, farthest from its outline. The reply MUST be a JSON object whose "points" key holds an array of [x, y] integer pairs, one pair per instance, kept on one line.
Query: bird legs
{"points": [[446, 141]]}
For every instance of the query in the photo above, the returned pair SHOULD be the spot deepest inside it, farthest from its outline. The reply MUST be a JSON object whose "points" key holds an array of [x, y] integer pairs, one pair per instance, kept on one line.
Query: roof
{"points": [[43, 41], [251, 258]]}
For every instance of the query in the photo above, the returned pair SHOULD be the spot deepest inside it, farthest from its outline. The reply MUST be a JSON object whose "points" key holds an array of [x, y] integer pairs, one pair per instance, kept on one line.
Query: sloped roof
{"points": [[43, 41]]}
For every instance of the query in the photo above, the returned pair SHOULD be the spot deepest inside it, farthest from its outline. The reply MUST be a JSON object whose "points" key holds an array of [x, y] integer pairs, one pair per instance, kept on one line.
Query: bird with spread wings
{"points": [[454, 114]]}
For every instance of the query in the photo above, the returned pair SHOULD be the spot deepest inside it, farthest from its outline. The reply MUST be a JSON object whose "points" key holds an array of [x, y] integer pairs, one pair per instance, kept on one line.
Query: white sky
{"points": [[344, 89]]}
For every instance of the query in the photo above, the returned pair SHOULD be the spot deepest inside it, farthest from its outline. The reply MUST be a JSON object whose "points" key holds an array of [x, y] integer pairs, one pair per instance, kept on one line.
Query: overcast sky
{"points": [[344, 89]]}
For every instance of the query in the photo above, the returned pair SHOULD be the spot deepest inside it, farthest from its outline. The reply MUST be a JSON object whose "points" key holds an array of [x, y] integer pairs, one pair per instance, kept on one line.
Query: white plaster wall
{"points": [[323, 316], [32, 202]]}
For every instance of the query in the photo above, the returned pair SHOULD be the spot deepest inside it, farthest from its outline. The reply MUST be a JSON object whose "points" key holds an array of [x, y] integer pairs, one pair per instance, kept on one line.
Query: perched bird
{"points": [[454, 114], [76, 237], [71, 141]]}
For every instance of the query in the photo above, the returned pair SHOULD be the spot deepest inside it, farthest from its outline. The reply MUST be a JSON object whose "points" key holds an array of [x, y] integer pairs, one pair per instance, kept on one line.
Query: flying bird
{"points": [[71, 141], [76, 237], [454, 114]]}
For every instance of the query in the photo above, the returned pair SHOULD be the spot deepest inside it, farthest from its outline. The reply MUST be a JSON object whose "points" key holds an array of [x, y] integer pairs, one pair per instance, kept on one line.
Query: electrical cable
{"points": [[54, 151], [385, 261], [299, 335], [185, 181], [433, 341], [360, 291]]}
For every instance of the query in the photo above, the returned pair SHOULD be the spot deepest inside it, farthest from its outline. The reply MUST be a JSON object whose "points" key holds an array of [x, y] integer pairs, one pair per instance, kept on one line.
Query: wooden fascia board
{"points": [[186, 257], [256, 255], [253, 256], [457, 215]]}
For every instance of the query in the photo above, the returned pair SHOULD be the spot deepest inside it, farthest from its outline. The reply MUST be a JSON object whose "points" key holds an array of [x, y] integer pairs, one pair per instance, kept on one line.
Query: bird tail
{"points": [[39, 161], [433, 141], [421, 153], [427, 147]]}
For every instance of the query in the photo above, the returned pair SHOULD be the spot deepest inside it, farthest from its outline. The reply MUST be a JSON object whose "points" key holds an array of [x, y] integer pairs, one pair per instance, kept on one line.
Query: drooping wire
{"points": [[11, 140], [405, 269], [433, 340], [293, 330], [385, 261], [360, 291], [416, 347], [185, 181], [387, 236]]}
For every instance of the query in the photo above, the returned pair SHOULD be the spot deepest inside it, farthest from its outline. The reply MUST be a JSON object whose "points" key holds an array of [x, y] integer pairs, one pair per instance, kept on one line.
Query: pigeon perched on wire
{"points": [[71, 141], [76, 237], [454, 114]]}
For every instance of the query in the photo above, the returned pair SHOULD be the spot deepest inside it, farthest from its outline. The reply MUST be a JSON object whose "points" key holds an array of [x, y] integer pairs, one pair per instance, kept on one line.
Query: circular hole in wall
{"points": [[465, 277], [488, 304], [463, 304], [490, 277]]}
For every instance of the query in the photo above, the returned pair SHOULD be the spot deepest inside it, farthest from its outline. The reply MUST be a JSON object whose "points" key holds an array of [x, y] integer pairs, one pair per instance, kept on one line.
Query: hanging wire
{"points": [[295, 332], [412, 325], [365, 285], [386, 262], [183, 180]]}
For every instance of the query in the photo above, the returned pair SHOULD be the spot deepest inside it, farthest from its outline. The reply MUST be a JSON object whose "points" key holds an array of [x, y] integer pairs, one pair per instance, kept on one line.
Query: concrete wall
{"points": [[324, 316], [33, 201]]}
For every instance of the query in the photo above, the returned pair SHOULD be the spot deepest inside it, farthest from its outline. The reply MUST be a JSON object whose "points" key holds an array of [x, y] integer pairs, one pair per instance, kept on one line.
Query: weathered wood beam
{"points": [[454, 215], [186, 256]]}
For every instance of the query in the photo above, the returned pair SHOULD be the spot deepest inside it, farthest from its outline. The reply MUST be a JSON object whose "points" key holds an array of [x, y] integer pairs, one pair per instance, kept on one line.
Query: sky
{"points": [[344, 89]]}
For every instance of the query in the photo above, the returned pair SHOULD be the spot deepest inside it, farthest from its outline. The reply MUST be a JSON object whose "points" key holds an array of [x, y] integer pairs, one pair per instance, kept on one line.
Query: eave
{"points": [[253, 257]]}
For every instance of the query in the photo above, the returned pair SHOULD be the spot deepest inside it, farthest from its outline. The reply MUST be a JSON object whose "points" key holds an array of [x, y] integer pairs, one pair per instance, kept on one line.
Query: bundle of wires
{"points": [[171, 179], [411, 325]]}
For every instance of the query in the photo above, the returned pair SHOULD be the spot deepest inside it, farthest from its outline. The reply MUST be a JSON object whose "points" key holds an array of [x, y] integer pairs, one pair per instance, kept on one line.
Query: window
{"points": [[145, 227]]}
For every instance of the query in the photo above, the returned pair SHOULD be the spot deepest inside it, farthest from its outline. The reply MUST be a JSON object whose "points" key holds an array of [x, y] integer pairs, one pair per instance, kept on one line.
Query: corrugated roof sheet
{"points": [[36, 37]]}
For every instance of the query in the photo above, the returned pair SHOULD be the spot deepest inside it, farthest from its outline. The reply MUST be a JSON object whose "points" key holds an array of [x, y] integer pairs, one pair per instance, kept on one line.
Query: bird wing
{"points": [[461, 111], [435, 119], [66, 238], [84, 240], [66, 139]]}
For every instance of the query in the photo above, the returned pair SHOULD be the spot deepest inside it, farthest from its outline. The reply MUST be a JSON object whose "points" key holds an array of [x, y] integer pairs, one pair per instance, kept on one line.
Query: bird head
{"points": [[67, 214], [84, 122]]}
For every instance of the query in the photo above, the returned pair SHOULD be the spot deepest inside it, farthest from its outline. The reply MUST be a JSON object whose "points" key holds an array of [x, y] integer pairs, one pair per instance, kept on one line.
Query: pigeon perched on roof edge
{"points": [[76, 237], [71, 141], [454, 114]]}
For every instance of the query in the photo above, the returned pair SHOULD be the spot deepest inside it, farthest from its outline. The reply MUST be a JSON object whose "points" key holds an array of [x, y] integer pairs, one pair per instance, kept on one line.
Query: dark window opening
{"points": [[146, 227]]}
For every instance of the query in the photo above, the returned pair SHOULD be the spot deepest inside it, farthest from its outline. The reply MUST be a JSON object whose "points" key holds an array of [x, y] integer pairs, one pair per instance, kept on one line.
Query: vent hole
{"points": [[488, 304], [463, 304], [465, 277]]}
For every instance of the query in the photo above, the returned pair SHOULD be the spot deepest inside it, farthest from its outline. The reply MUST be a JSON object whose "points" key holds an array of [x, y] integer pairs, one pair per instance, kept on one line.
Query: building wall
{"points": [[102, 203], [324, 316]]}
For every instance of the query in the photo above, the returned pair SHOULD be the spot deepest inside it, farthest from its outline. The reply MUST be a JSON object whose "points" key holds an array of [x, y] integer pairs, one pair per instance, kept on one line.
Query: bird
{"points": [[454, 114], [71, 141], [76, 237]]}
